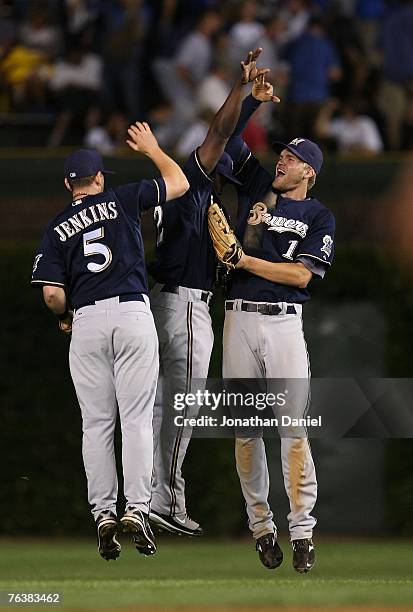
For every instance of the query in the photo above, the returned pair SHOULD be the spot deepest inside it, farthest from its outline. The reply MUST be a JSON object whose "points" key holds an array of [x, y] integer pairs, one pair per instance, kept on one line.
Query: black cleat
{"points": [[107, 526], [271, 555], [175, 524], [303, 555], [135, 523]]}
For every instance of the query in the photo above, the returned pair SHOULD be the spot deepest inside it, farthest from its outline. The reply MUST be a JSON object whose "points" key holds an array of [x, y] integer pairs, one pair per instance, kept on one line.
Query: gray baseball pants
{"points": [[113, 361], [272, 346], [186, 338]]}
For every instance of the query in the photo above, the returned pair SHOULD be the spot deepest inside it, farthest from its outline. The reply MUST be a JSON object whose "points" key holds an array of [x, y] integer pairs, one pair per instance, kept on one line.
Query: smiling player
{"points": [[287, 238]]}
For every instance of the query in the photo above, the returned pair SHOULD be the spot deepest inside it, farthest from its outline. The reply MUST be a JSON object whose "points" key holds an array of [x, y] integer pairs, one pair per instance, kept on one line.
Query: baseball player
{"points": [[185, 273], [287, 238], [91, 258]]}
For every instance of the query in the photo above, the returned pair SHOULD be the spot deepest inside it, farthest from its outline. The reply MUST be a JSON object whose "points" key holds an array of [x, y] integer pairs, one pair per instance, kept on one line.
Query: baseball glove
{"points": [[227, 246]]}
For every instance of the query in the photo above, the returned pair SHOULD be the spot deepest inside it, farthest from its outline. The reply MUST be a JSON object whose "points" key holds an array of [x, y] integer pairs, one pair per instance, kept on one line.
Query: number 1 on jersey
{"points": [[97, 248], [291, 249]]}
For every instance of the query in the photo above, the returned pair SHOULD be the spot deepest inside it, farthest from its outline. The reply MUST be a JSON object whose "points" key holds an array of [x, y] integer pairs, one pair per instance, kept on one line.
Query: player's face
{"points": [[290, 172]]}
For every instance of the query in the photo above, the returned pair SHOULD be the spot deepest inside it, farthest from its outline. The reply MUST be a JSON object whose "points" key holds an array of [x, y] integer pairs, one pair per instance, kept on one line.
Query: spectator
{"points": [[214, 88], [245, 34], [351, 131], [80, 15], [123, 32], [296, 15], [179, 78], [369, 14], [313, 65], [271, 43], [397, 85], [22, 72], [195, 134], [77, 85], [38, 32], [266, 119], [25, 65], [105, 136], [347, 40]]}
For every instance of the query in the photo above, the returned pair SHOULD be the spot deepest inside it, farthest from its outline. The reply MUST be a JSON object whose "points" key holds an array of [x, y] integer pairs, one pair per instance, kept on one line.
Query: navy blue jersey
{"points": [[289, 231], [94, 248], [184, 252]]}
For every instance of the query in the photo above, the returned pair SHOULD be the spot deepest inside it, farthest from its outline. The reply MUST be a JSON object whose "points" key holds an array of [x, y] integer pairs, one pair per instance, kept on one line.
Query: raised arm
{"points": [[225, 120], [262, 91], [142, 140]]}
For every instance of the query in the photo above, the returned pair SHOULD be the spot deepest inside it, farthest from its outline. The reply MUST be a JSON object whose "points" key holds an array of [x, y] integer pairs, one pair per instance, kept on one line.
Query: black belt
{"points": [[265, 309], [205, 295], [125, 297]]}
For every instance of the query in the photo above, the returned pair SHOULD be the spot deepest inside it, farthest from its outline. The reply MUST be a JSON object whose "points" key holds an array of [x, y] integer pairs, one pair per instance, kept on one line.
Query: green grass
{"points": [[210, 574]]}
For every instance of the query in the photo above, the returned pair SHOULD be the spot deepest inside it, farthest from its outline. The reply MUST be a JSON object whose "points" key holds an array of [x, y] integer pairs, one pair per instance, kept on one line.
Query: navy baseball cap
{"points": [[84, 162], [305, 149], [225, 166]]}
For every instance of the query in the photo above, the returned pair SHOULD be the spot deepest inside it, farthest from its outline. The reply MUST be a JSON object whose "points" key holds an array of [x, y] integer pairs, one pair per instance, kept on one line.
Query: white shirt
{"points": [[212, 93], [358, 133], [191, 138], [98, 138], [195, 55], [244, 37], [87, 74]]}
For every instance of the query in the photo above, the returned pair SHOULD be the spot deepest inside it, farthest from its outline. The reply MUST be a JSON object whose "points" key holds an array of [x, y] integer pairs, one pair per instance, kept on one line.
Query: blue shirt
{"points": [[184, 252], [94, 248], [292, 231], [310, 58], [397, 41]]}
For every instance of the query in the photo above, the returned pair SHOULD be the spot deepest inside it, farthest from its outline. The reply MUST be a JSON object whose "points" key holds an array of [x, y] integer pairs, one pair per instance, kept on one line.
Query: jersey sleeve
{"points": [[135, 198], [236, 147], [318, 244], [315, 267], [48, 265], [247, 168], [195, 173]]}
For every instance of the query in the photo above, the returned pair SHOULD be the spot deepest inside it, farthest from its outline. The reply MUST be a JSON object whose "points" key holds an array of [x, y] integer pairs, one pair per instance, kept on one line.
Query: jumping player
{"points": [[184, 271], [91, 257], [287, 237]]}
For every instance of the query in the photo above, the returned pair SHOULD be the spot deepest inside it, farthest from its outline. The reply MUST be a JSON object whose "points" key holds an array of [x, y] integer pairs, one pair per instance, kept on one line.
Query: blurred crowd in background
{"points": [[342, 68]]}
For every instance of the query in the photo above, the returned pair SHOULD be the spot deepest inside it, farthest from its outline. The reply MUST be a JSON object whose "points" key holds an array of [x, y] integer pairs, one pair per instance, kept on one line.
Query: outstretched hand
{"points": [[263, 91], [141, 138], [249, 67]]}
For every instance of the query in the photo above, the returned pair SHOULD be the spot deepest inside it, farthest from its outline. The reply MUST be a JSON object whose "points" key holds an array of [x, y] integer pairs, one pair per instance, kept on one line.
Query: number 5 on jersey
{"points": [[91, 247]]}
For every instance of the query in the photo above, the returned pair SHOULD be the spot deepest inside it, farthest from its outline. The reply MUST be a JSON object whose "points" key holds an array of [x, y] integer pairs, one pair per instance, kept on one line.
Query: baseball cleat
{"points": [[107, 526], [181, 525], [303, 555], [135, 523], [271, 555]]}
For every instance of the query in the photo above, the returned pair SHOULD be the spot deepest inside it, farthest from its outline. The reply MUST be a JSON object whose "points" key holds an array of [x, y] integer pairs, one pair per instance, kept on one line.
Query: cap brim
{"points": [[108, 172], [279, 146], [230, 177]]}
